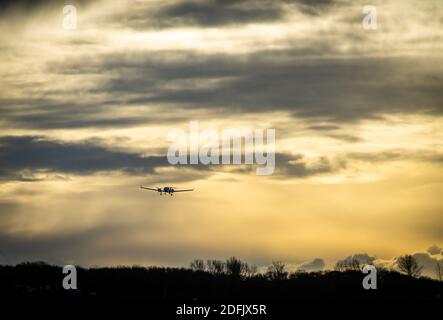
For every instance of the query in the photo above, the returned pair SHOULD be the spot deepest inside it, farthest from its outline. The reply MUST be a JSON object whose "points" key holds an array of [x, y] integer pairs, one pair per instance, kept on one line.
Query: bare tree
{"points": [[197, 265], [216, 267], [276, 271], [409, 265], [348, 264], [249, 270], [234, 267], [439, 270], [354, 264], [340, 266]]}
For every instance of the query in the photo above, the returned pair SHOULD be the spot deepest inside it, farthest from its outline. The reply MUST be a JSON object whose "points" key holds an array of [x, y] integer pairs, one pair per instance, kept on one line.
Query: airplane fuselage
{"points": [[169, 190]]}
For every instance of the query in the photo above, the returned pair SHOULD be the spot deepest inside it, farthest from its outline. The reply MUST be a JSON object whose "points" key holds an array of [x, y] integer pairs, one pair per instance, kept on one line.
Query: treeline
{"points": [[236, 268], [216, 279]]}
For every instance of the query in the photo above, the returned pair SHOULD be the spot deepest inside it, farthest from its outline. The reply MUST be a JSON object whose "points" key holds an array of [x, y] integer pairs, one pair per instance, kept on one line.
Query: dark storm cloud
{"points": [[334, 90], [13, 11], [212, 13], [67, 114], [300, 80], [219, 12], [25, 4], [33, 5], [19, 153], [203, 13], [21, 156]]}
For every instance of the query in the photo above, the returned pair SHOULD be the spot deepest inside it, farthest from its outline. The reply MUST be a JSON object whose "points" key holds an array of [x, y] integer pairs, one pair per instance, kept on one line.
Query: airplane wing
{"points": [[183, 190], [152, 189]]}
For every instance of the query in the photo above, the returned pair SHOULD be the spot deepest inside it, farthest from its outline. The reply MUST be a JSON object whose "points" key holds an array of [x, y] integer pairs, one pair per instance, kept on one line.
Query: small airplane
{"points": [[167, 190]]}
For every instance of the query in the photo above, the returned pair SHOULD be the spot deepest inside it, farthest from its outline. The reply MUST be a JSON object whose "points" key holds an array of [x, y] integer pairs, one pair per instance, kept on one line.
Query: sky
{"points": [[85, 115]]}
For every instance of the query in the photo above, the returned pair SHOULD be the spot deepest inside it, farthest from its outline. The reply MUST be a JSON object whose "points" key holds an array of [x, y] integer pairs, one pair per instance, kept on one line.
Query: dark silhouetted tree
{"points": [[216, 267], [348, 264], [249, 270], [409, 265], [439, 270], [276, 271], [234, 267], [197, 265], [299, 273], [340, 266]]}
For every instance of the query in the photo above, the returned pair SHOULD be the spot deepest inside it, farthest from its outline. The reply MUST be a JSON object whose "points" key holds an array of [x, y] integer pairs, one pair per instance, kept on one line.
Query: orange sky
{"points": [[85, 115]]}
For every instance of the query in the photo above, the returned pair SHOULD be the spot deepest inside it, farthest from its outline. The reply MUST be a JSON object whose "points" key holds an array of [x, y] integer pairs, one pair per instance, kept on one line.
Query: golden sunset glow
{"points": [[85, 114]]}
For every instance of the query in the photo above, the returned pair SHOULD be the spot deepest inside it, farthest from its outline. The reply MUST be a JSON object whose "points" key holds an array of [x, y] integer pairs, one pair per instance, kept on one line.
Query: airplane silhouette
{"points": [[166, 190]]}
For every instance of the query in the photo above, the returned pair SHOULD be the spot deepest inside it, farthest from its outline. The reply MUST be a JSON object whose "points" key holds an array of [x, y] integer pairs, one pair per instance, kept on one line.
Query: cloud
{"points": [[424, 259], [334, 90], [216, 13], [315, 265], [95, 244], [219, 12], [316, 7], [363, 258], [309, 76], [31, 6], [298, 166], [316, 74], [435, 250], [428, 262], [19, 154], [25, 5], [396, 155], [23, 157], [64, 113]]}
